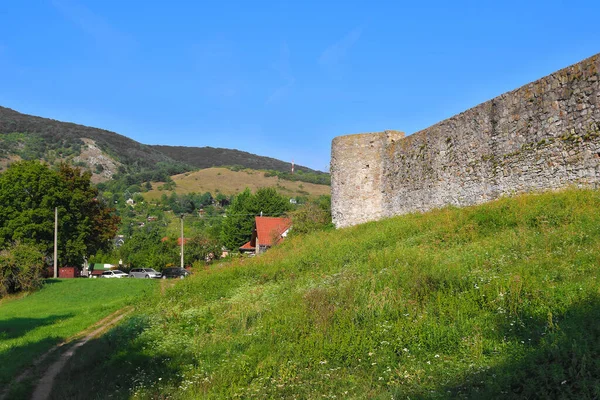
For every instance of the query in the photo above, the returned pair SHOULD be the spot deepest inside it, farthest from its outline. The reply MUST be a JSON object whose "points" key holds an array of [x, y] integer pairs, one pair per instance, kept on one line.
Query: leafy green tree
{"points": [[268, 202], [29, 192], [312, 216], [200, 248], [239, 223], [145, 248]]}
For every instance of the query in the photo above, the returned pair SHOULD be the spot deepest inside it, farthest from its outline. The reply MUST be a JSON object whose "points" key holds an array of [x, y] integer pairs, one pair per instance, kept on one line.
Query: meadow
{"points": [[228, 182], [495, 301], [32, 324]]}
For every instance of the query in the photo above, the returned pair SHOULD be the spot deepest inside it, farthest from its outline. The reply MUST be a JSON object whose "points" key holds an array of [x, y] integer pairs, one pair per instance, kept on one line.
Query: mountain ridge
{"points": [[66, 138]]}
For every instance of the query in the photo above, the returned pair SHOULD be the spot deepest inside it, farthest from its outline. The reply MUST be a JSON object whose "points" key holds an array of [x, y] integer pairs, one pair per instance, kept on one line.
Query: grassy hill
{"points": [[227, 182], [496, 301]]}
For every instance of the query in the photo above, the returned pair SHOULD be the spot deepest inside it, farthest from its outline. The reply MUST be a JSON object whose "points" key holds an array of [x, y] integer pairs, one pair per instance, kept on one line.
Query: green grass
{"points": [[32, 324], [495, 301]]}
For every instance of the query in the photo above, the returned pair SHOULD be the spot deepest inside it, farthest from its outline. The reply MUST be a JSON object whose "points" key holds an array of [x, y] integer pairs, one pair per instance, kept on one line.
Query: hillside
{"points": [[52, 134], [25, 136], [206, 157], [494, 301], [228, 182]]}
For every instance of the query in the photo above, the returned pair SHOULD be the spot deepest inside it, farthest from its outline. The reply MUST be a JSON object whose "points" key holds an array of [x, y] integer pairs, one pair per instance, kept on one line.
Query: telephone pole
{"points": [[55, 242], [182, 241]]}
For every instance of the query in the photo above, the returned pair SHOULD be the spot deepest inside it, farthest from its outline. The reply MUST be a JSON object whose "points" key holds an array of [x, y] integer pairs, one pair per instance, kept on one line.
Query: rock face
{"points": [[544, 135]]}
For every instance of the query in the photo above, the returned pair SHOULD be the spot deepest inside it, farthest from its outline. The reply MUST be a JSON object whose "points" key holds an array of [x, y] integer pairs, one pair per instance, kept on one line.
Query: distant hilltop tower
{"points": [[292, 166]]}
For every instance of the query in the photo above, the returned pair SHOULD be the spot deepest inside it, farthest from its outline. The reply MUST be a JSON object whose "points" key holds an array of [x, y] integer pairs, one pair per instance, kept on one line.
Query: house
{"points": [[268, 231], [130, 202], [119, 240]]}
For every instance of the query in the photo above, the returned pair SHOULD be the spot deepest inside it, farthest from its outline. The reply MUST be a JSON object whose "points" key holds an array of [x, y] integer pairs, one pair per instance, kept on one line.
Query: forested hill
{"points": [[66, 135], [37, 138], [206, 157]]}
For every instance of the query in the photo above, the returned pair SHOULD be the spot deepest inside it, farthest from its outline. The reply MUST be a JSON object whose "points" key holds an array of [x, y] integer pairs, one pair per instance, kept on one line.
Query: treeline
{"points": [[151, 247], [206, 157], [320, 178]]}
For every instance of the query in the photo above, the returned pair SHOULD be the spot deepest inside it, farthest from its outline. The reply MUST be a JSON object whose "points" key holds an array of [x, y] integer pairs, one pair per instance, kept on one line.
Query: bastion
{"points": [[542, 136]]}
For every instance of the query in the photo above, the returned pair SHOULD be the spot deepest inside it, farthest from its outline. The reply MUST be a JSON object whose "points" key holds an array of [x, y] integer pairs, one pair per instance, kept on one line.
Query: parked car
{"points": [[144, 273], [114, 274], [174, 273]]}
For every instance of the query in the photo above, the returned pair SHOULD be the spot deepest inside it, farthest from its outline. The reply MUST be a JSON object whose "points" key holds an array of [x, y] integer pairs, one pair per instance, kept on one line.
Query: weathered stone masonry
{"points": [[544, 135]]}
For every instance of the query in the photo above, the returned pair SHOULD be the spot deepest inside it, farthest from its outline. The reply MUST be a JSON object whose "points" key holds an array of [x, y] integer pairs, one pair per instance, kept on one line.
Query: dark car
{"points": [[174, 273]]}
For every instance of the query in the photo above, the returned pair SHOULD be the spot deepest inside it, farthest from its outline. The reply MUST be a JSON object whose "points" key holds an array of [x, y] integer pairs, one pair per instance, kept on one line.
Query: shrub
{"points": [[21, 268]]}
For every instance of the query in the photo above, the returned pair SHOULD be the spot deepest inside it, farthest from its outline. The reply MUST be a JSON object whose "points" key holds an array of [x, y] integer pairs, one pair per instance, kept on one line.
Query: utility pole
{"points": [[181, 240], [55, 242]]}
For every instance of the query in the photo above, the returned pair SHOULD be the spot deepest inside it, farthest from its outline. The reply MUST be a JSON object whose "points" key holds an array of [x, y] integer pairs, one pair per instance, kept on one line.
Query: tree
{"points": [[239, 222], [312, 216], [29, 192], [146, 249], [200, 248]]}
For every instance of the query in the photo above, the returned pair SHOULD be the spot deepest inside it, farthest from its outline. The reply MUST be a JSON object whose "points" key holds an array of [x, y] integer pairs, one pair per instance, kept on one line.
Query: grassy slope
{"points": [[223, 180], [495, 301], [32, 324]]}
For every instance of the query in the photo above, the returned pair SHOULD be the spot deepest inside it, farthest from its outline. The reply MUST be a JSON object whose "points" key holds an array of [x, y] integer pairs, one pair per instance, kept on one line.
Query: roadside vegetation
{"points": [[31, 324], [495, 301]]}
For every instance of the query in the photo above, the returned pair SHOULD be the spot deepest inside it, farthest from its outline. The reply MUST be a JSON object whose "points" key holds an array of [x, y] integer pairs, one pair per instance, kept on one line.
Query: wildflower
{"points": [[437, 356], [323, 362]]}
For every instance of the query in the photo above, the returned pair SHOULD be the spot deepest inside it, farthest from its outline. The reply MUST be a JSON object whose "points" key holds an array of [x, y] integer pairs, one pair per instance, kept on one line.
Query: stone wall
{"points": [[544, 135]]}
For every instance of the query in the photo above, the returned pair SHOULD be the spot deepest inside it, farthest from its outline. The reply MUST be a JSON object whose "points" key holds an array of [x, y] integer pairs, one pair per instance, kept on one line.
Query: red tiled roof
{"points": [[247, 246], [270, 229], [166, 239]]}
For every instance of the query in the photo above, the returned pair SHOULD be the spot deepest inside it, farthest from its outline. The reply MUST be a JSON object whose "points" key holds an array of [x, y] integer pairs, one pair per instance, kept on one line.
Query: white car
{"points": [[144, 273], [114, 274]]}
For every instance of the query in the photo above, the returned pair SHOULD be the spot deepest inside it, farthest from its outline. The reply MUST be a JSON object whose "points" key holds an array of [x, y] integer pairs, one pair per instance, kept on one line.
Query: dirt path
{"points": [[44, 387]]}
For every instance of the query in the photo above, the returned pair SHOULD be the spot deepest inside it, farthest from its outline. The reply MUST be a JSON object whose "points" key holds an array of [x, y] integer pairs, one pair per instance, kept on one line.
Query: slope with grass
{"points": [[495, 301], [228, 182], [31, 325]]}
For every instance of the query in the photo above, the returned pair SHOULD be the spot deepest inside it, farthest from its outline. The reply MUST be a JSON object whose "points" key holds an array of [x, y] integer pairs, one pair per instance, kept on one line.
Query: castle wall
{"points": [[544, 135]]}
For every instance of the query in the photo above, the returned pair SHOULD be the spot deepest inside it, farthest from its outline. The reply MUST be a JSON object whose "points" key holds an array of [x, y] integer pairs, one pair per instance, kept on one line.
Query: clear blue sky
{"points": [[278, 78]]}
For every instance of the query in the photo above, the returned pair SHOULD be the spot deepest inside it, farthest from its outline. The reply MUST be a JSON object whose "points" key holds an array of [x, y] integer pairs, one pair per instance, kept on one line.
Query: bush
{"points": [[21, 268]]}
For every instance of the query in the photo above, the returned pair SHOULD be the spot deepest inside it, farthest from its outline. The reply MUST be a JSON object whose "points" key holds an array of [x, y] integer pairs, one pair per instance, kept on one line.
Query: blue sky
{"points": [[278, 78]]}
